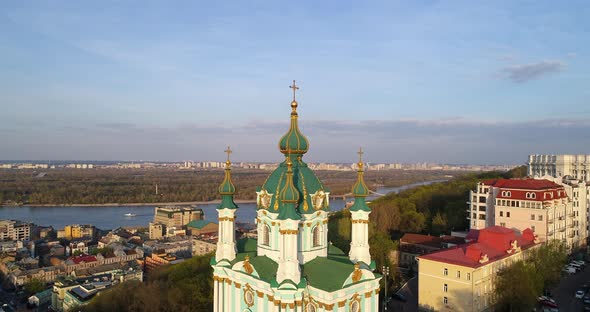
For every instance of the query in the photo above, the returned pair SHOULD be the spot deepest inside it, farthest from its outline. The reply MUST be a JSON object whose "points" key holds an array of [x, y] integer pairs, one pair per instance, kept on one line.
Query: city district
{"points": [[285, 262]]}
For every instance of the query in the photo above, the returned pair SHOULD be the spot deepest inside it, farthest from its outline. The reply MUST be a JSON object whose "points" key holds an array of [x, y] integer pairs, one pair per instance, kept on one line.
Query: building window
{"points": [[502, 224], [533, 228], [507, 214], [533, 217], [508, 194], [501, 213], [446, 288], [446, 272], [468, 276], [265, 235], [316, 236], [533, 195], [540, 217], [458, 274], [446, 300]]}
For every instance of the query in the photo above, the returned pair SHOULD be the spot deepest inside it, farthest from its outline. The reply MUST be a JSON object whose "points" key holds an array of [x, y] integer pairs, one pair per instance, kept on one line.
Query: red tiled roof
{"points": [[492, 242], [84, 258], [520, 187], [429, 240], [523, 184]]}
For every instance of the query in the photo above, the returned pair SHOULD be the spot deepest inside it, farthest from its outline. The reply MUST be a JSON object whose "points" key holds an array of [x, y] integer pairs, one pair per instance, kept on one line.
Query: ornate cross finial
{"points": [[360, 152], [295, 88], [228, 151]]}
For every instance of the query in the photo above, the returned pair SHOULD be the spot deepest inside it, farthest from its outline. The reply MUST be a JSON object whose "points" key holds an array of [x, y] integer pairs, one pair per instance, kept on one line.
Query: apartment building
{"points": [[542, 205], [77, 231], [575, 166], [461, 278], [177, 216], [15, 230]]}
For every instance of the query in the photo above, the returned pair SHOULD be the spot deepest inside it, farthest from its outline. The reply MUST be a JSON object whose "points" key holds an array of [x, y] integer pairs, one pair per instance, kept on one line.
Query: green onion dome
{"points": [[227, 188], [289, 194], [360, 189], [294, 142]]}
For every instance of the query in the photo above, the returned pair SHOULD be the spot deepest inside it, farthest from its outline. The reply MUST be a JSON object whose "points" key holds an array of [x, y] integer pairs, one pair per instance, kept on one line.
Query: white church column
{"points": [[215, 294]]}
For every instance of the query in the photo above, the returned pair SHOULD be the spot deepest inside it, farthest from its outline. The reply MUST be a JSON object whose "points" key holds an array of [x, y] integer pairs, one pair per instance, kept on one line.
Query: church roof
{"points": [[304, 181], [328, 274]]}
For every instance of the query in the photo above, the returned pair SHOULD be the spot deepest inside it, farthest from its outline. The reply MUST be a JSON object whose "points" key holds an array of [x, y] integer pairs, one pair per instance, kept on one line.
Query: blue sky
{"points": [[449, 81]]}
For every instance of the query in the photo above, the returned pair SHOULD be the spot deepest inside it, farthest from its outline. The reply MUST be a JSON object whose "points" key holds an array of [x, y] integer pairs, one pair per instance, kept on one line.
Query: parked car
{"points": [[547, 303], [579, 294], [569, 270], [576, 265]]}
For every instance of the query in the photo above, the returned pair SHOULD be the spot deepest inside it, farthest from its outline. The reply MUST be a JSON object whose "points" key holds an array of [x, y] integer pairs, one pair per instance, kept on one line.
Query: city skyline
{"points": [[408, 82]]}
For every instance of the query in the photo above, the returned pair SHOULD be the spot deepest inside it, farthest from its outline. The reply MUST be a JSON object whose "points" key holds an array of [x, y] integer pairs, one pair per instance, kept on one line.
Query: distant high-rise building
{"points": [[177, 216], [575, 166]]}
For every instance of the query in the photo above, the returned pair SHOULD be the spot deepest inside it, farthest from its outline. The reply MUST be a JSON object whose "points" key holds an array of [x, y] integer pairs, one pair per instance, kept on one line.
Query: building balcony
{"points": [[571, 225], [572, 235], [550, 233], [550, 221], [571, 214]]}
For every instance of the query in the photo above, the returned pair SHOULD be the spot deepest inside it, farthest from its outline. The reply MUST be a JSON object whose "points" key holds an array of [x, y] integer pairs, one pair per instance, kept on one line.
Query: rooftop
{"points": [[523, 184], [491, 243]]}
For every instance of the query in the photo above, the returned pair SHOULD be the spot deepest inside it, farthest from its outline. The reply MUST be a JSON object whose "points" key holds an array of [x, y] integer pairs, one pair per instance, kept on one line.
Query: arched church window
{"points": [[316, 236], [310, 307], [265, 235]]}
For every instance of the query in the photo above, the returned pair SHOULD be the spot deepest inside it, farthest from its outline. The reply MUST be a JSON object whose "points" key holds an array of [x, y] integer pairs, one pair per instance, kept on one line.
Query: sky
{"points": [[409, 81]]}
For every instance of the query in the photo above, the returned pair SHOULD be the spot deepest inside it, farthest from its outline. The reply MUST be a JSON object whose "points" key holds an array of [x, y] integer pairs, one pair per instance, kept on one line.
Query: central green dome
{"points": [[293, 180]]}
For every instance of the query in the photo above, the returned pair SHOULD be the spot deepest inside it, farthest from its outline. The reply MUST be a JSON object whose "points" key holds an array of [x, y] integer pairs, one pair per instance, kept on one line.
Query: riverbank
{"points": [[380, 192], [217, 201]]}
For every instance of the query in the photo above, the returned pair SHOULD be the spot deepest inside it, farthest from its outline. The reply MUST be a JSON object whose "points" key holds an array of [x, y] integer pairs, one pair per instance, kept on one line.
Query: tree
{"points": [[439, 224], [34, 286], [517, 287]]}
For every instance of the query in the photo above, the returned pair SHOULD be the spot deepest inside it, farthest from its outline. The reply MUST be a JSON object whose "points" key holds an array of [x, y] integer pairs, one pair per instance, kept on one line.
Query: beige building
{"points": [[462, 278], [539, 204], [15, 230], [176, 216], [156, 230], [575, 166]]}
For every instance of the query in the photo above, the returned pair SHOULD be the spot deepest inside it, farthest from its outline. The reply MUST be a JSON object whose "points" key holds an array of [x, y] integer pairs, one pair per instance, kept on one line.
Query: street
{"points": [[564, 292], [410, 291]]}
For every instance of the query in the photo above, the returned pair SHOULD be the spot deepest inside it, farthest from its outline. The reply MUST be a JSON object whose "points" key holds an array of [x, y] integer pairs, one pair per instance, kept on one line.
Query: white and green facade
{"points": [[292, 266]]}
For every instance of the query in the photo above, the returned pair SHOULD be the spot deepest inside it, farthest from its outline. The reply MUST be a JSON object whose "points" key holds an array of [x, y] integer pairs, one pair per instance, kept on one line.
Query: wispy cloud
{"points": [[526, 72]]}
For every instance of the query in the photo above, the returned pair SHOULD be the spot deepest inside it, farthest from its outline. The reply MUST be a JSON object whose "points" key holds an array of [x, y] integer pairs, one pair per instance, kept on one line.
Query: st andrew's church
{"points": [[292, 266]]}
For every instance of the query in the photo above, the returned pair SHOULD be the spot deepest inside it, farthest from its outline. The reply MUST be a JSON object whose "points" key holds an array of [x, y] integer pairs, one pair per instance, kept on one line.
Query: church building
{"points": [[292, 266]]}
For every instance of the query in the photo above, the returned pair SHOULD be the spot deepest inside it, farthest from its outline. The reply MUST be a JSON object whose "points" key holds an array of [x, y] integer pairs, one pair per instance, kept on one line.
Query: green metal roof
{"points": [[329, 273], [199, 224], [304, 180]]}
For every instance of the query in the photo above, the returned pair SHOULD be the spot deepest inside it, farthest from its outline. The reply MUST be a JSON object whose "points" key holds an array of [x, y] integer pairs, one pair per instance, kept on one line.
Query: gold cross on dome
{"points": [[360, 152], [295, 88], [228, 151]]}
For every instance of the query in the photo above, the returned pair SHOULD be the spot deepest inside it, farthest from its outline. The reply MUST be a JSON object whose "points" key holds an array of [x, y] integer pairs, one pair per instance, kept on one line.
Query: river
{"points": [[111, 217]]}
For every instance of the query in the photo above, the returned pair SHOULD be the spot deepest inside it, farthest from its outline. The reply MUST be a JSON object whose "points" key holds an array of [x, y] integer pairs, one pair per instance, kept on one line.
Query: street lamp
{"points": [[385, 271]]}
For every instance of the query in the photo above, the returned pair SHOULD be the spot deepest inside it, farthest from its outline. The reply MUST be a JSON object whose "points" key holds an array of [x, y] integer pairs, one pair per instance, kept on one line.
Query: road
{"points": [[410, 291], [564, 292]]}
